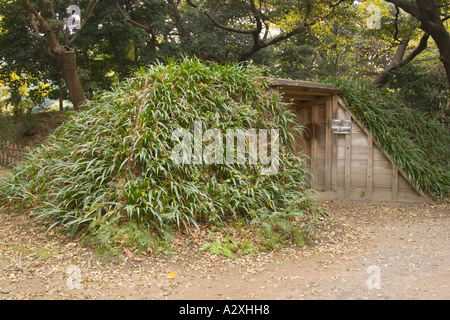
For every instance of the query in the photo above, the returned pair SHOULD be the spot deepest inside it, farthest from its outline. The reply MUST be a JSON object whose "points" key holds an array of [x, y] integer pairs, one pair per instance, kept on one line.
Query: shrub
{"points": [[112, 162]]}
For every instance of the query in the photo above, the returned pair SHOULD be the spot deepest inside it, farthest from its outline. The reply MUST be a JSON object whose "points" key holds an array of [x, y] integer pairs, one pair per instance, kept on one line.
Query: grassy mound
{"points": [[111, 166], [417, 144]]}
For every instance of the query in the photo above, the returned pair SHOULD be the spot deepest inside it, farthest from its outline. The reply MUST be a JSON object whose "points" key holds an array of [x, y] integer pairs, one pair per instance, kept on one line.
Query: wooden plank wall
{"points": [[348, 166]]}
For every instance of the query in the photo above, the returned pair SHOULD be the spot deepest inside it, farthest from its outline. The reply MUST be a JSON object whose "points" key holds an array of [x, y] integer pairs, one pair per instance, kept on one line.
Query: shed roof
{"points": [[303, 91]]}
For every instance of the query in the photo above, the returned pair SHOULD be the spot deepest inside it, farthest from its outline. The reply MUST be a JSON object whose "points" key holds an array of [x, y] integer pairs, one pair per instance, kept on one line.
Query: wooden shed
{"points": [[345, 160]]}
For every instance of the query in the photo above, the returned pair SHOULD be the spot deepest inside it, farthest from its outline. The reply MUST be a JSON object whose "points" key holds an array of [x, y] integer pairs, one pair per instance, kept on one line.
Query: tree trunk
{"points": [[431, 23], [443, 44], [66, 61], [60, 92], [117, 57]]}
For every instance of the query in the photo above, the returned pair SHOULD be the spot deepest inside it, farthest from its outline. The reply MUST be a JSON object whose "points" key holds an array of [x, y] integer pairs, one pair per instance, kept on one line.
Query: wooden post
{"points": [[369, 167], [304, 113], [334, 145], [348, 159], [394, 182], [328, 142], [314, 146]]}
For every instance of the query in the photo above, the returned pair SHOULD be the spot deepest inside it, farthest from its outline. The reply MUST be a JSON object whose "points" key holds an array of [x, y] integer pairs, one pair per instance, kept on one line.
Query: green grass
{"points": [[109, 168]]}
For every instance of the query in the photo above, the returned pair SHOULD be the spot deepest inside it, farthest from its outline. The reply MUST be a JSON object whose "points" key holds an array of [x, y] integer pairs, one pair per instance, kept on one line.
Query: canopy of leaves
{"points": [[113, 162]]}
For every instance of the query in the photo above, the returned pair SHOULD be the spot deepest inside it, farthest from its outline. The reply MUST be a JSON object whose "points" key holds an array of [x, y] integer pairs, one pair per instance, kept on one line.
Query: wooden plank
{"points": [[334, 168], [410, 196], [382, 181], [328, 143], [303, 113], [314, 148], [320, 175], [322, 115], [369, 168], [394, 182], [334, 141], [303, 84], [358, 180], [312, 103], [359, 139], [381, 166], [305, 120], [381, 193], [307, 91], [378, 155], [403, 183], [359, 166], [294, 97], [347, 160], [341, 149]]}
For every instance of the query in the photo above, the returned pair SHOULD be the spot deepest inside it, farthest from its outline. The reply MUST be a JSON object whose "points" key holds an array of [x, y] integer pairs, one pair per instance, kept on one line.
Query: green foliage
{"points": [[112, 163], [29, 124], [6, 129], [416, 143], [423, 89]]}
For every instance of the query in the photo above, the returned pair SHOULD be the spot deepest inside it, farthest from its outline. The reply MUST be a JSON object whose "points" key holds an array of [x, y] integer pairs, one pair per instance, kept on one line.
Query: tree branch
{"points": [[283, 36], [423, 43], [53, 41], [224, 27], [193, 5], [41, 44], [398, 62], [126, 18], [217, 23], [409, 6], [52, 12], [268, 42], [397, 13], [443, 5], [178, 19]]}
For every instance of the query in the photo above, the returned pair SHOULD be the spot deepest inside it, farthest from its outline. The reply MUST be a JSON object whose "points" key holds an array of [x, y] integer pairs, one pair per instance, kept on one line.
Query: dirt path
{"points": [[369, 251]]}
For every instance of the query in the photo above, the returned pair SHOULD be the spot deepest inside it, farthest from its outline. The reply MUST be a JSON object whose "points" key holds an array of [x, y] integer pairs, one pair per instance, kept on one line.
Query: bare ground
{"points": [[401, 249]]}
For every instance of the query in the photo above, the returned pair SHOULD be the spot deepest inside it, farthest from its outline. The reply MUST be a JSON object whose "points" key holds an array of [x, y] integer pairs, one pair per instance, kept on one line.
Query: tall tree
{"points": [[431, 15], [55, 43], [260, 24]]}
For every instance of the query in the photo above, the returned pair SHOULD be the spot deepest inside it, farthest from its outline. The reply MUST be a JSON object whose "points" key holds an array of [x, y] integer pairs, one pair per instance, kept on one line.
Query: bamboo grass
{"points": [[111, 163]]}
